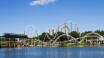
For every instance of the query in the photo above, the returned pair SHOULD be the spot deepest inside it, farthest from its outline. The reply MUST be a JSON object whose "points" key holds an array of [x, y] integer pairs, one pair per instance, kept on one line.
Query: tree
{"points": [[63, 38], [43, 37], [100, 32], [74, 34], [60, 33], [85, 33]]}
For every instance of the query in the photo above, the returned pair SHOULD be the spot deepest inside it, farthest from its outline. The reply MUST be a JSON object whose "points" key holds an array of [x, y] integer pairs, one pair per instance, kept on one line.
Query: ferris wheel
{"points": [[31, 31]]}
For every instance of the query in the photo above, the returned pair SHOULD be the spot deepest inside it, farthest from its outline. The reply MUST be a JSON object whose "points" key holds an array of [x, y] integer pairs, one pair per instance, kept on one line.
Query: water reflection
{"points": [[17, 53], [59, 52]]}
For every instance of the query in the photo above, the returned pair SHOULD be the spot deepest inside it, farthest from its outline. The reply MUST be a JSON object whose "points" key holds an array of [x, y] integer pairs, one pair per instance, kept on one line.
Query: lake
{"points": [[53, 52]]}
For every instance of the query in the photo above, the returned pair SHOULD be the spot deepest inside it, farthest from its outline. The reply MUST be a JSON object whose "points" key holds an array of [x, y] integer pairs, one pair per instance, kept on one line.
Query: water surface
{"points": [[56, 52]]}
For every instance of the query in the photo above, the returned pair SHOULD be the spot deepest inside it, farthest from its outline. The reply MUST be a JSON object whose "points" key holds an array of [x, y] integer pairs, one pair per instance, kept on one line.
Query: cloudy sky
{"points": [[41, 2], [15, 15]]}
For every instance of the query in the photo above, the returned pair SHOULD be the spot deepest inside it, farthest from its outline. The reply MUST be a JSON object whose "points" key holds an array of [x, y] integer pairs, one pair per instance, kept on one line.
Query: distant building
{"points": [[12, 35]]}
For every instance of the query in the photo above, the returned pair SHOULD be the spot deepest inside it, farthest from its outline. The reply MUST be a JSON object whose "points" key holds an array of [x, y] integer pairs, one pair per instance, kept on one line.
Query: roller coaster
{"points": [[66, 27], [52, 37]]}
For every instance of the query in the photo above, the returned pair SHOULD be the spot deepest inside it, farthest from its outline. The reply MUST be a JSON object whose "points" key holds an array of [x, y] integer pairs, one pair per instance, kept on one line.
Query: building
{"points": [[12, 35]]}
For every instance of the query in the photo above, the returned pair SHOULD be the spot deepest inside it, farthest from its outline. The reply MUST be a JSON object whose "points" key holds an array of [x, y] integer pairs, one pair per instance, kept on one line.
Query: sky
{"points": [[16, 15]]}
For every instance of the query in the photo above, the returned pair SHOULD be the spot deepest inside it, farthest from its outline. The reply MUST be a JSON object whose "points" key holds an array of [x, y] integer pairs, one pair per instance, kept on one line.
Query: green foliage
{"points": [[43, 37], [61, 38], [74, 34], [85, 33], [7, 39], [100, 32], [60, 33]]}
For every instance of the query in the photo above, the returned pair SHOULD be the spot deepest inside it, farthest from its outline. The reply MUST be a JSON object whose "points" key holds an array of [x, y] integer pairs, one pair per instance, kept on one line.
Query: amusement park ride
{"points": [[30, 36], [66, 27]]}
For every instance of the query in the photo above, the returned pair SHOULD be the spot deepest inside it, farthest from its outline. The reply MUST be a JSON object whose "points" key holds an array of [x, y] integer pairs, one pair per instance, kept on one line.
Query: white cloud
{"points": [[41, 2]]}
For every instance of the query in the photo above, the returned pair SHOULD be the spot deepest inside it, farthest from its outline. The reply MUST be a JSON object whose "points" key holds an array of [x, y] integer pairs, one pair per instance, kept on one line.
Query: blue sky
{"points": [[15, 15]]}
